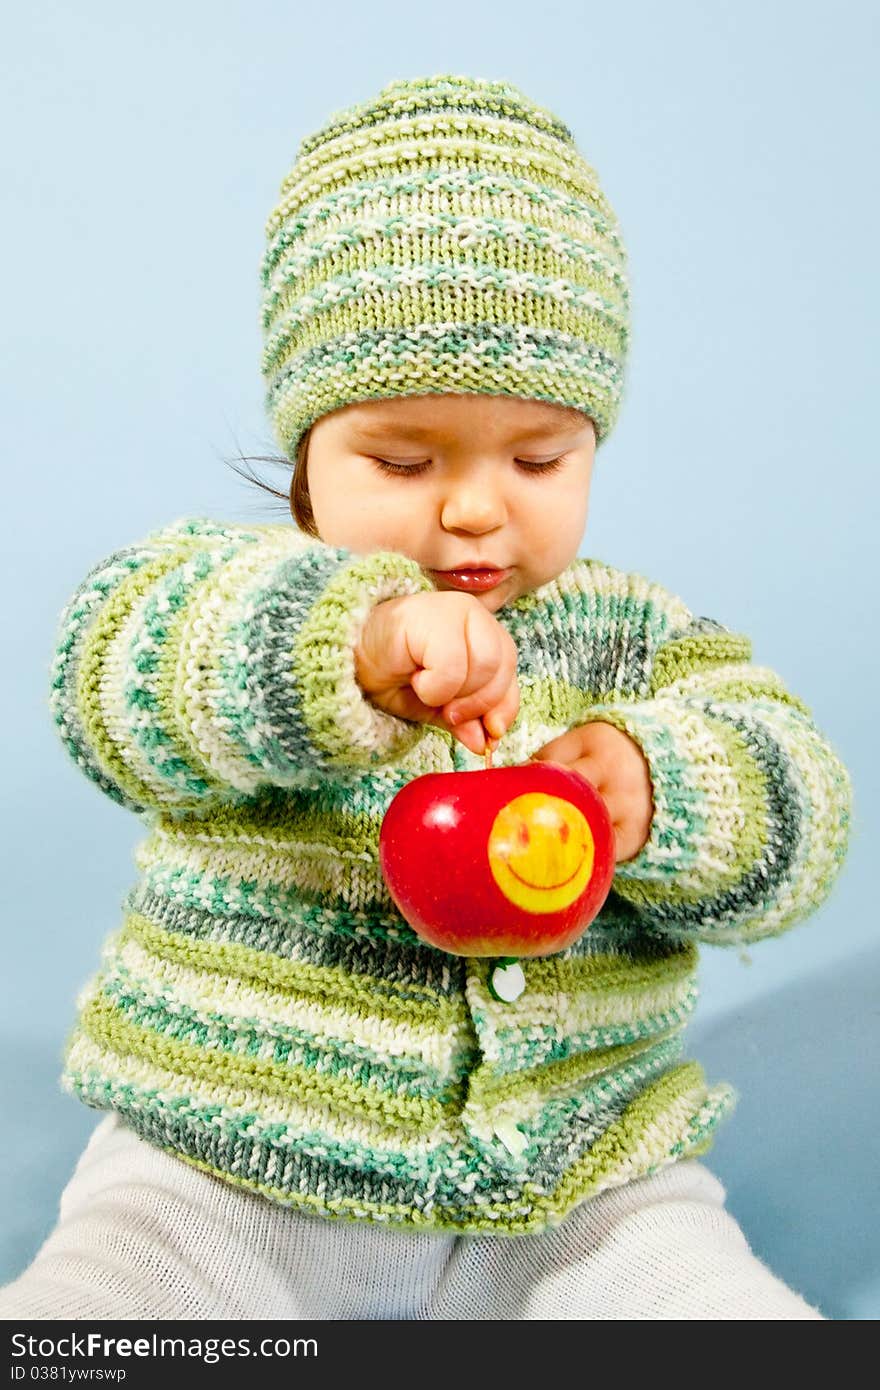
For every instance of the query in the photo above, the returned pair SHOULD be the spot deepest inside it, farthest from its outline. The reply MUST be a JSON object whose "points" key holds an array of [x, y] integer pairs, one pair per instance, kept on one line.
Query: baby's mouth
{"points": [[475, 581]]}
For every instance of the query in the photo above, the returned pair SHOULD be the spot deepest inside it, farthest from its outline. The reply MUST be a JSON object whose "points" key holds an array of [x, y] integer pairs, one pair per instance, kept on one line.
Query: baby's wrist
{"points": [[373, 641]]}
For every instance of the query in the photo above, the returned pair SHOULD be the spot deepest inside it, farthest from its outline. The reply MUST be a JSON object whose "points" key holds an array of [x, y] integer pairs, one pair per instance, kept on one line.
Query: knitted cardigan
{"points": [[265, 1013]]}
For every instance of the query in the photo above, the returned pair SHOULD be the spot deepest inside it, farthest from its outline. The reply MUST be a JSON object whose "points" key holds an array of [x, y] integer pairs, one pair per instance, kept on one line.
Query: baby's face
{"points": [[467, 488]]}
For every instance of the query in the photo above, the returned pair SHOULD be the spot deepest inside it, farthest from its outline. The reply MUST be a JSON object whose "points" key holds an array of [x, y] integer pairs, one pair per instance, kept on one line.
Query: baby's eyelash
{"points": [[550, 466], [386, 466]]}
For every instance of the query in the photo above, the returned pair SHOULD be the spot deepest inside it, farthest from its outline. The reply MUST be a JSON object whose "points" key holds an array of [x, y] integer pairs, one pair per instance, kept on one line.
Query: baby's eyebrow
{"points": [[380, 429]]}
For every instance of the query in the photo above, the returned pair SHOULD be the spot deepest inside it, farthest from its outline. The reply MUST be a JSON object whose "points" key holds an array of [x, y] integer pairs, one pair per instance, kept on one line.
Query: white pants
{"points": [[143, 1235]]}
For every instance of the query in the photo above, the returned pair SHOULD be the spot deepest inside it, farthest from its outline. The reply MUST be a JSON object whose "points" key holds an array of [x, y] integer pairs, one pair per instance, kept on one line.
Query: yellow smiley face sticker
{"points": [[541, 852]]}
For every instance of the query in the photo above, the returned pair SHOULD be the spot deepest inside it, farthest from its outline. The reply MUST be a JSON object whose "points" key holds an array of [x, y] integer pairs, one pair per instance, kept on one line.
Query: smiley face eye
{"points": [[564, 832], [523, 834]]}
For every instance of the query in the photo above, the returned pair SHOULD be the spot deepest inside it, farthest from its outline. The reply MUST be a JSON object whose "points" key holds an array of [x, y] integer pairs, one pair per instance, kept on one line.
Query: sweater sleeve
{"points": [[752, 805], [207, 662]]}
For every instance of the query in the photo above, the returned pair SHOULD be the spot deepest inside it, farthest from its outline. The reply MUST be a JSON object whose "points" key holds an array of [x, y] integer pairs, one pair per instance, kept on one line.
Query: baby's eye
{"points": [[529, 465], [386, 466], [549, 466]]}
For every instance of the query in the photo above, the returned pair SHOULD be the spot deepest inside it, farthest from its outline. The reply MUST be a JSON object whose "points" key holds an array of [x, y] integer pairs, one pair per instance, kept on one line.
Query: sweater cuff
{"points": [[692, 842], [346, 729]]}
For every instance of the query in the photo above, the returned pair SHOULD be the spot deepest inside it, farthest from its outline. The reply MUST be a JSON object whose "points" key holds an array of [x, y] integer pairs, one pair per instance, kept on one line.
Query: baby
{"points": [[313, 1113]]}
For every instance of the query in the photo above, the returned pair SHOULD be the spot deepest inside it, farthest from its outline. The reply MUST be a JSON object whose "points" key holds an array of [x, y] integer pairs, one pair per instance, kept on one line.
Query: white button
{"points": [[507, 982]]}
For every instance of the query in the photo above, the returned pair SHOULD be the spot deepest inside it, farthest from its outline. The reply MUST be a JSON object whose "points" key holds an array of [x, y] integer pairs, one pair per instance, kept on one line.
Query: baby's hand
{"points": [[618, 769], [440, 658]]}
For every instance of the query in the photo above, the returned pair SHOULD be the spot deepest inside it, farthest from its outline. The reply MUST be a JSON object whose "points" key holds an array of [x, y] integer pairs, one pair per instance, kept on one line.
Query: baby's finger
{"points": [[499, 719], [439, 682], [472, 735], [493, 690], [476, 706], [564, 749]]}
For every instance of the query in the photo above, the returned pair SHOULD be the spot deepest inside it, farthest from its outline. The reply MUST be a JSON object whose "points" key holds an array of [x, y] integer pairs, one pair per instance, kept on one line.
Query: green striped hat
{"points": [[446, 237]]}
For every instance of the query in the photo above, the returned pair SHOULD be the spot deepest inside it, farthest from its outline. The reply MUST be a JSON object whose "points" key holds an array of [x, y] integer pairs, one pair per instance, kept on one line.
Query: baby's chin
{"points": [[495, 599], [516, 587]]}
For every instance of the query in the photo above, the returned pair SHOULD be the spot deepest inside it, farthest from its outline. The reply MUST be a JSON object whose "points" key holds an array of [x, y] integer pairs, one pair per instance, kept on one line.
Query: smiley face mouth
{"points": [[543, 887]]}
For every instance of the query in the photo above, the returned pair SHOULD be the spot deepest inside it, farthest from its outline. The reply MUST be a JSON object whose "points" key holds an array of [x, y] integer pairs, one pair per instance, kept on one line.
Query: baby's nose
{"points": [[470, 508]]}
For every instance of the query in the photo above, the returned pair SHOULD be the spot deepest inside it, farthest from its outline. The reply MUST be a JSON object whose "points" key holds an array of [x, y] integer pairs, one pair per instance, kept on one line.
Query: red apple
{"points": [[505, 861]]}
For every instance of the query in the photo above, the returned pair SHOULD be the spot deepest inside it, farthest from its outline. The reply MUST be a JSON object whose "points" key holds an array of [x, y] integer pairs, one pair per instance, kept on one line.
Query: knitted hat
{"points": [[445, 237]]}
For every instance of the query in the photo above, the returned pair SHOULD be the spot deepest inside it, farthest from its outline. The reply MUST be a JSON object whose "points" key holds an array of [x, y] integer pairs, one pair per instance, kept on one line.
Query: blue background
{"points": [[144, 149]]}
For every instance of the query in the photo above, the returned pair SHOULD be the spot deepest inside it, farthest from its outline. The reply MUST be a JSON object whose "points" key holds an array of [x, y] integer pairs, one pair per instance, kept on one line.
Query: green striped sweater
{"points": [[265, 1013]]}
